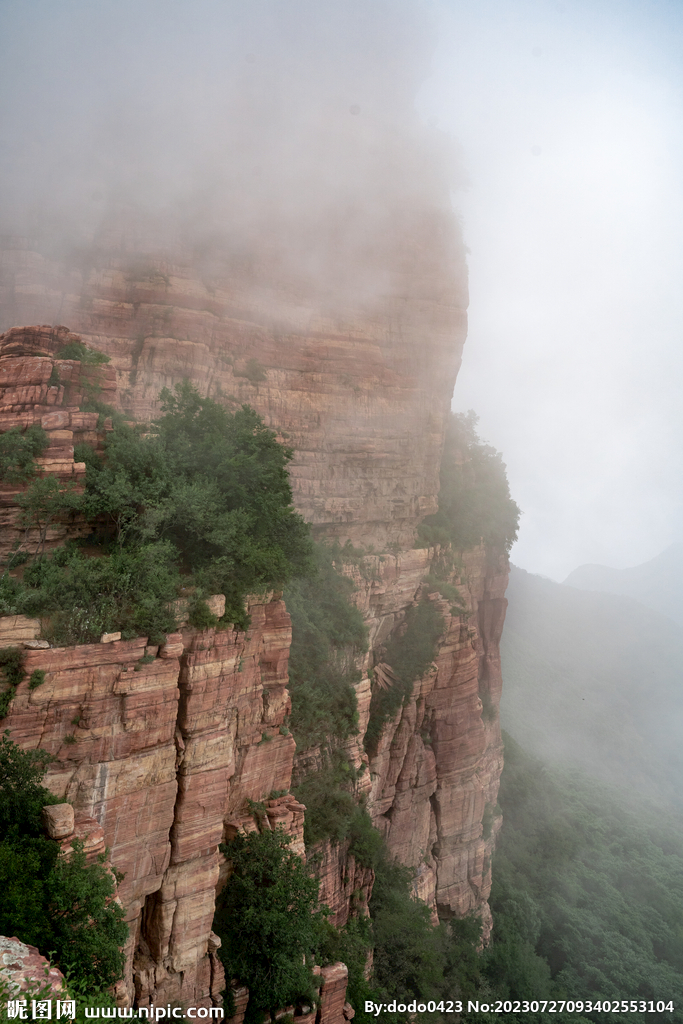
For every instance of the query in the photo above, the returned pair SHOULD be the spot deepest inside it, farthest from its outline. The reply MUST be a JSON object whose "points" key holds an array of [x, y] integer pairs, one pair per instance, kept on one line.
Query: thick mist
{"points": [[302, 145], [569, 114], [279, 137]]}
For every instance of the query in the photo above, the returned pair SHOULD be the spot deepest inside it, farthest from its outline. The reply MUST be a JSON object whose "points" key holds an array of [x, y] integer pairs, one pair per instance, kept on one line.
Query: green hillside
{"points": [[587, 900]]}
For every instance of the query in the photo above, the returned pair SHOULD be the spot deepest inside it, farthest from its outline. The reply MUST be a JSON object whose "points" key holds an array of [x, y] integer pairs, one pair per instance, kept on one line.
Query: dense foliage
{"points": [[327, 635], [11, 674], [203, 502], [269, 921], [474, 497], [413, 960], [587, 895], [64, 907], [18, 449], [128, 590], [332, 811]]}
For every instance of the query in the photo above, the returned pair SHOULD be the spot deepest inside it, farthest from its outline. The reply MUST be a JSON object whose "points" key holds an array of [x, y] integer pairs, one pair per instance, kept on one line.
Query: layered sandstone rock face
{"points": [[358, 381], [438, 763], [38, 388], [159, 761], [432, 782], [359, 385], [26, 972]]}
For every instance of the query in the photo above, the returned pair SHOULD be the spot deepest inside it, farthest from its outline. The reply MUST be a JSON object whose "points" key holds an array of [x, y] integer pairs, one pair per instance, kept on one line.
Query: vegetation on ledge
{"points": [[474, 496], [409, 652], [202, 504], [18, 450], [328, 634]]}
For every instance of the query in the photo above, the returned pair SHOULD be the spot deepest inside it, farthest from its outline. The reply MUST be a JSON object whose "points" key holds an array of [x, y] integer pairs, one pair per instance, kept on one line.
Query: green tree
{"points": [[87, 925], [18, 449], [215, 485], [409, 957], [474, 497], [60, 905], [21, 794], [46, 500], [269, 921]]}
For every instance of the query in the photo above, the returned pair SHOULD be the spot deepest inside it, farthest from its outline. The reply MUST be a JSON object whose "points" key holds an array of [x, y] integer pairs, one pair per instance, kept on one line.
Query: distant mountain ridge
{"points": [[658, 584], [594, 680]]}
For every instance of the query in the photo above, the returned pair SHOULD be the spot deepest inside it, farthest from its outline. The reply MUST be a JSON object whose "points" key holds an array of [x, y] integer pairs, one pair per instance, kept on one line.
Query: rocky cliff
{"points": [[166, 756], [437, 763], [359, 388]]}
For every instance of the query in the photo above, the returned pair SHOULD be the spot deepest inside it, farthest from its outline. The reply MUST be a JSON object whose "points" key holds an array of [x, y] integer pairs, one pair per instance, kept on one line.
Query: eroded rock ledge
{"points": [[167, 754]]}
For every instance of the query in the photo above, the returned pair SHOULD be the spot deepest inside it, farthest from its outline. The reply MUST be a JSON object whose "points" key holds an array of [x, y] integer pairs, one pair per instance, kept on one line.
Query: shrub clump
{"points": [[269, 921], [253, 371], [203, 501], [213, 484], [18, 450], [474, 497], [77, 350], [332, 811], [36, 679], [63, 906], [328, 633], [81, 597], [11, 674]]}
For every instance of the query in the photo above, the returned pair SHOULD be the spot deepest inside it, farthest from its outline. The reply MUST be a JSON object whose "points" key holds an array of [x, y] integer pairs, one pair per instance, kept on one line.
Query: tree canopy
{"points": [[269, 921], [200, 502]]}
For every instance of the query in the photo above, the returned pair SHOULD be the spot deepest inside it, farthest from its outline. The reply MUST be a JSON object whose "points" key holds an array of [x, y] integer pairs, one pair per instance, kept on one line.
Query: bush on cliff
{"points": [[214, 484], [328, 634], [18, 449], [474, 497], [269, 921], [64, 907], [84, 597], [77, 350], [203, 500]]}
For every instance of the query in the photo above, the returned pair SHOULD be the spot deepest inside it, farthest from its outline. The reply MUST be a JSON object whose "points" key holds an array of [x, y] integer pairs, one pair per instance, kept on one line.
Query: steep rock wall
{"points": [[437, 764], [164, 756], [360, 387], [38, 388]]}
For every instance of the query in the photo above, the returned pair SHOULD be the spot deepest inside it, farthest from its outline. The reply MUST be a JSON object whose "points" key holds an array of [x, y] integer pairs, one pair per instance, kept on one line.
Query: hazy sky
{"points": [[570, 117]]}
